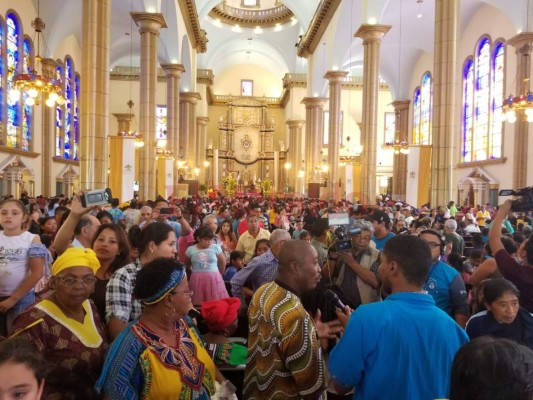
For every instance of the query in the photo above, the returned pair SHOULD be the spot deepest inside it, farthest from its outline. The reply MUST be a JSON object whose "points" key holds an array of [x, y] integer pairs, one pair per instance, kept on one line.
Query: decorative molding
{"points": [[63, 161], [496, 161], [223, 100], [32, 154], [205, 76], [294, 80], [132, 74], [196, 34], [317, 27], [251, 18]]}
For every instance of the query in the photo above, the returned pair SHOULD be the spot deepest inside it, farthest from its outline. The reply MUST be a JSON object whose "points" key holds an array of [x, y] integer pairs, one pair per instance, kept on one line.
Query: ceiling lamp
{"points": [[34, 83], [522, 102], [398, 146]]}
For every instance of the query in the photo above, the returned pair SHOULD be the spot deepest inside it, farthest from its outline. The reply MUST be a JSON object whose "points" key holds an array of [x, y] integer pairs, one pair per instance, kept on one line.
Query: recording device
{"points": [[165, 210], [341, 235], [525, 203], [331, 297], [96, 197]]}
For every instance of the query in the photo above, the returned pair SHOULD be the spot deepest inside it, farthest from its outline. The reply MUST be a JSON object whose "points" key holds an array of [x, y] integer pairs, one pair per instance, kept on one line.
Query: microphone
{"points": [[332, 297]]}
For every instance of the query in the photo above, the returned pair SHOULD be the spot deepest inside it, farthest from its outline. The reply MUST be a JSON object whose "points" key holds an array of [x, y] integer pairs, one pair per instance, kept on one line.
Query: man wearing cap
{"points": [[381, 224]]}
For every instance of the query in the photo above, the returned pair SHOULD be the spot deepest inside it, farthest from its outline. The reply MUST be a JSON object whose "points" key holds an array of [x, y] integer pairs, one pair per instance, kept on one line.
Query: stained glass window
{"points": [[416, 115], [422, 109], [76, 131], [69, 108], [160, 122], [425, 110], [1, 81], [13, 107], [27, 110], [468, 104], [482, 103], [59, 117]]}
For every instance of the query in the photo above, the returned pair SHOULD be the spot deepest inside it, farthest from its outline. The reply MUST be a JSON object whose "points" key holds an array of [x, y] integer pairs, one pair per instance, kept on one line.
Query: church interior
{"points": [[426, 100]]}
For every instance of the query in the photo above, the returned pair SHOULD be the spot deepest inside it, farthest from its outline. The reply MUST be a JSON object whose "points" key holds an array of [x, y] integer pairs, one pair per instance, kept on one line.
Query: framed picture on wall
{"points": [[247, 87], [390, 127]]}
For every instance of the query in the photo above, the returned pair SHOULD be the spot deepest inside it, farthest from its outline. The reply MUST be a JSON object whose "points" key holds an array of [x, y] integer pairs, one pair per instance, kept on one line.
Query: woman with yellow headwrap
{"points": [[66, 328]]}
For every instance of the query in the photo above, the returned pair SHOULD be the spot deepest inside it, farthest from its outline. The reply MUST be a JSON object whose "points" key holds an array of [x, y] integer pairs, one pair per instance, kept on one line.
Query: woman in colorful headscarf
{"points": [[160, 355], [66, 328]]}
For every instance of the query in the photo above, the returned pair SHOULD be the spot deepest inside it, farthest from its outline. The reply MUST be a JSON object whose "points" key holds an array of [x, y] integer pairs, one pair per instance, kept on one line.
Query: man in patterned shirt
{"points": [[284, 355]]}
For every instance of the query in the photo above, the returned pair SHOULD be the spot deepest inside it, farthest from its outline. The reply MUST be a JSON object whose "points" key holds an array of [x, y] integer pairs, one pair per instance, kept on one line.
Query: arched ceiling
{"points": [[274, 48]]}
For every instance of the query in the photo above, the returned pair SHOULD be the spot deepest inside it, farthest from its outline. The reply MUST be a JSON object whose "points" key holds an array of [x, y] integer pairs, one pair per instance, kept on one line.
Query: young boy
{"points": [[236, 262]]}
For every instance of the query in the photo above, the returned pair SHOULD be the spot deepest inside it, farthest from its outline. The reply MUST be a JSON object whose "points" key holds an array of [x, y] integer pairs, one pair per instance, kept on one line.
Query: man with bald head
{"points": [[284, 355]]}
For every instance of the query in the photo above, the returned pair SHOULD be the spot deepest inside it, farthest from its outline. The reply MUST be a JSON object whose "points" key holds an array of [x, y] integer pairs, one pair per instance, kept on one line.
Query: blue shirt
{"points": [[380, 243], [447, 288], [400, 348]]}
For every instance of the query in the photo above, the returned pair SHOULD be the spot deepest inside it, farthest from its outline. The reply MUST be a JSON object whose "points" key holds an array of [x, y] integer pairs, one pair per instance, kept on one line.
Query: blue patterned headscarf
{"points": [[175, 278]]}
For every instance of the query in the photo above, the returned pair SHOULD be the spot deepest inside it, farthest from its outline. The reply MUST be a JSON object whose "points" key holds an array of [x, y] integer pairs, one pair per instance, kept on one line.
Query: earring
{"points": [[173, 312]]}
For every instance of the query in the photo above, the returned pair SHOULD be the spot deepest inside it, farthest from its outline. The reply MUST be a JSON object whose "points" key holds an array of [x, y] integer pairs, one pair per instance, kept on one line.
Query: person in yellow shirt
{"points": [[482, 216]]}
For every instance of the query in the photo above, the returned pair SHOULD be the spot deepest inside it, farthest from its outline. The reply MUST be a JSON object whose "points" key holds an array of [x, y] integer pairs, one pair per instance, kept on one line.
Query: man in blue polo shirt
{"points": [[443, 282], [403, 347]]}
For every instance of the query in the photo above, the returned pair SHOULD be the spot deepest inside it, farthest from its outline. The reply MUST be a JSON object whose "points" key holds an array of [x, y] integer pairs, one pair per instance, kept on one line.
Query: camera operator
{"points": [[521, 274], [355, 271]]}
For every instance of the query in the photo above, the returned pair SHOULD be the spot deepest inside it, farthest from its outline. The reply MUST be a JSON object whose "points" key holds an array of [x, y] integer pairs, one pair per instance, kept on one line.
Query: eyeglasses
{"points": [[188, 294], [433, 245], [72, 281]]}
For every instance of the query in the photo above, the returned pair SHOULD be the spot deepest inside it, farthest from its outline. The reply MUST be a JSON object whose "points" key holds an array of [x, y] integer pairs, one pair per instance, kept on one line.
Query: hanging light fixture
{"points": [[524, 100], [34, 83], [399, 146]]}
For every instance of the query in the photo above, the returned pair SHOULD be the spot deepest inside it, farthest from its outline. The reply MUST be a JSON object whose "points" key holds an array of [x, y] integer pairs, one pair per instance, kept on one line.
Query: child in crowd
{"points": [[236, 263], [298, 228], [304, 235], [261, 247], [22, 369]]}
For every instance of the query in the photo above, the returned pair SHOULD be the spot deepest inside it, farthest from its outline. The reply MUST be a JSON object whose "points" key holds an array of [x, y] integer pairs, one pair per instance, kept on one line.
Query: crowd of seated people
{"points": [[113, 296]]}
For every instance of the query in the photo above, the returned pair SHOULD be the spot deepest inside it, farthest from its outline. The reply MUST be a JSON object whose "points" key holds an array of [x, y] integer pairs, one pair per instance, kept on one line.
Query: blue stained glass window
{"points": [[416, 115], [76, 140], [425, 110], [483, 81], [1, 79], [27, 110], [59, 118], [468, 95], [69, 108], [13, 107]]}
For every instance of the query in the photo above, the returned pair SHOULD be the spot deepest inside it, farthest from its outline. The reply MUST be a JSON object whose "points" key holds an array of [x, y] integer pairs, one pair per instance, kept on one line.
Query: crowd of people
{"points": [[306, 298]]}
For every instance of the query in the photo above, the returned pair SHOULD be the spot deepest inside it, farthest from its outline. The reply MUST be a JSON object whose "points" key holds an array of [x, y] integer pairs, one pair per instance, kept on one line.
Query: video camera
{"points": [[96, 197], [525, 203], [341, 235]]}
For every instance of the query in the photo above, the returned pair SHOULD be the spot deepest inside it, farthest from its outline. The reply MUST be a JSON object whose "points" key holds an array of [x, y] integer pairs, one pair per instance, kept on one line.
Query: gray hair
{"points": [[278, 235], [363, 225], [451, 224], [208, 217]]}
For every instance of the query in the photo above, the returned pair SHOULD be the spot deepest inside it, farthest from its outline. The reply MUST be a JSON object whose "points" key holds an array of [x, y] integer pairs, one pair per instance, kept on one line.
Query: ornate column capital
{"points": [[190, 97], [173, 70], [293, 123], [149, 22], [312, 102], [401, 105], [202, 120], [372, 33], [518, 41], [335, 77]]}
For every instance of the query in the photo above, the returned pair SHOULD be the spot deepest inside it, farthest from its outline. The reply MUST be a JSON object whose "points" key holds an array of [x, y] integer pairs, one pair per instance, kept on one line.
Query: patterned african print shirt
{"points": [[284, 356]]}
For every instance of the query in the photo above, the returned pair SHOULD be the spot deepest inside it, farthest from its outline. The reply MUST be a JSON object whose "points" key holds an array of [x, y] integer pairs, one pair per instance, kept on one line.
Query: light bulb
{"points": [[530, 118], [33, 93], [30, 101], [53, 96], [14, 95], [49, 102], [60, 100], [511, 117], [529, 111]]}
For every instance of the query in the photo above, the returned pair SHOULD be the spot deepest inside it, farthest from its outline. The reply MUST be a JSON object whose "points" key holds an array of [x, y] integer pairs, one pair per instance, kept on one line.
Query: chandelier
{"points": [[522, 102], [139, 142], [34, 83], [398, 146]]}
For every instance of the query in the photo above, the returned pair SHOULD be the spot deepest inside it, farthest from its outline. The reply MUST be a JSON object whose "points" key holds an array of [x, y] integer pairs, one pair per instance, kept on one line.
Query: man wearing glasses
{"points": [[443, 282]]}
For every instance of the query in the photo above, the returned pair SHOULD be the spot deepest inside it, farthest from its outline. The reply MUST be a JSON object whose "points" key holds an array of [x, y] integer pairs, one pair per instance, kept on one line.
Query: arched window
{"points": [[67, 115], [27, 110], [422, 110], [482, 102], [13, 35], [2, 74]]}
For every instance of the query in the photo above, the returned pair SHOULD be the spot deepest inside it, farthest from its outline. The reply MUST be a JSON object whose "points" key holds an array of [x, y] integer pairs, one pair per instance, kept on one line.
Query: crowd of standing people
{"points": [[141, 299]]}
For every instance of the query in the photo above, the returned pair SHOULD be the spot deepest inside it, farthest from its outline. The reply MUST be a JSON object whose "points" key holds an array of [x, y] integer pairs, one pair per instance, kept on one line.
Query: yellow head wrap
{"points": [[76, 257]]}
